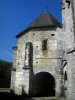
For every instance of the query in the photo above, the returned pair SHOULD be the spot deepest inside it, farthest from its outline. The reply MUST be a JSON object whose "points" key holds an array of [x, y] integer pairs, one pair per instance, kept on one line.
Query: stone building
{"points": [[44, 58]]}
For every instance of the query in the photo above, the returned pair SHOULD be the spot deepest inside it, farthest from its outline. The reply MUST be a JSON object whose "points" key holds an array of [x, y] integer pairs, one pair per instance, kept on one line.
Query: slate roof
{"points": [[44, 20]]}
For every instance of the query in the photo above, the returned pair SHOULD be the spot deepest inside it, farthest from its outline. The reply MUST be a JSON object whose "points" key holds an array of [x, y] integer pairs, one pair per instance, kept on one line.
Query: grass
{"points": [[5, 90]]}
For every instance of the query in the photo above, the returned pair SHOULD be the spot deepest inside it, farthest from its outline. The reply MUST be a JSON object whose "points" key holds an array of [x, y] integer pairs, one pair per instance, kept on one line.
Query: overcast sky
{"points": [[15, 15]]}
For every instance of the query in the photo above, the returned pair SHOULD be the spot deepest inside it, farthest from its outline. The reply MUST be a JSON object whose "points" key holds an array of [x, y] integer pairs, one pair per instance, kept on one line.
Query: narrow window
{"points": [[44, 45], [65, 76]]}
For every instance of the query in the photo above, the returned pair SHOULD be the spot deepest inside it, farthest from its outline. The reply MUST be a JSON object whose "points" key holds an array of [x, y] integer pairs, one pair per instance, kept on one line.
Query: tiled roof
{"points": [[44, 20]]}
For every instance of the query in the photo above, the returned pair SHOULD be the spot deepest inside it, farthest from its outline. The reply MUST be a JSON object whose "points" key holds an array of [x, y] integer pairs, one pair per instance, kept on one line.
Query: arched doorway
{"points": [[43, 84]]}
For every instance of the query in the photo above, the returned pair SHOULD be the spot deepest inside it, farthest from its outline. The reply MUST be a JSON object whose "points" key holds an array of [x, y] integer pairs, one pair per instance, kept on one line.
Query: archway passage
{"points": [[43, 84]]}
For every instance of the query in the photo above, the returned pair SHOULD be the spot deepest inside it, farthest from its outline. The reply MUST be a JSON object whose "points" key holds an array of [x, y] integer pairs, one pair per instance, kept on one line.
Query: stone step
{"points": [[47, 98]]}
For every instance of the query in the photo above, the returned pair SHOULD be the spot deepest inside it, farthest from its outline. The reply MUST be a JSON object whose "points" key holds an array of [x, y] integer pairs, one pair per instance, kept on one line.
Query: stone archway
{"points": [[43, 84]]}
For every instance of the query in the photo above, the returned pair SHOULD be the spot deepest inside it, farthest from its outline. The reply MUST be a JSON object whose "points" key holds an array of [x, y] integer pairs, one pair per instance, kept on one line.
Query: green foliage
{"points": [[5, 73]]}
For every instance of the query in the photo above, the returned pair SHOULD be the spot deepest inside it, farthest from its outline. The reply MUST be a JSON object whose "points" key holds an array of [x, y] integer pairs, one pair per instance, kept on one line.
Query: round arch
{"points": [[43, 84]]}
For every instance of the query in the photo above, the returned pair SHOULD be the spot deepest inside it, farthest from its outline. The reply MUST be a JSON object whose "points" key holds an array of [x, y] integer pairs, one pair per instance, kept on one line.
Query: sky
{"points": [[15, 15]]}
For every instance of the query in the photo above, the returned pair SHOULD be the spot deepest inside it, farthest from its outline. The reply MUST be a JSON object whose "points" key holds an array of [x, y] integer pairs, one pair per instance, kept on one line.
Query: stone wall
{"points": [[49, 61], [60, 48], [69, 45], [68, 27], [13, 72]]}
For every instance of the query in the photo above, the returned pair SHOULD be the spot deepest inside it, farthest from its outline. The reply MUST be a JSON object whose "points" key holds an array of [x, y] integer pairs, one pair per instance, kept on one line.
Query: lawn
{"points": [[5, 90]]}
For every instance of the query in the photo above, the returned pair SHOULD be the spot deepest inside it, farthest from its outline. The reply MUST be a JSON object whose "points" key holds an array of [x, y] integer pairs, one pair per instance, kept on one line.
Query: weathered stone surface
{"points": [[60, 49], [69, 45], [42, 61]]}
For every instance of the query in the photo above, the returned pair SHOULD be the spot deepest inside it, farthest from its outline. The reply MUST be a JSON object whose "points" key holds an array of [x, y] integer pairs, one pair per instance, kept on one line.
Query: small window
{"points": [[52, 34], [68, 1], [44, 45], [65, 76], [18, 63]]}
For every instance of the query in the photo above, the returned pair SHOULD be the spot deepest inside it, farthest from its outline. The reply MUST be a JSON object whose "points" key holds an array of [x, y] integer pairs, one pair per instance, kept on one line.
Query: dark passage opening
{"points": [[43, 84]]}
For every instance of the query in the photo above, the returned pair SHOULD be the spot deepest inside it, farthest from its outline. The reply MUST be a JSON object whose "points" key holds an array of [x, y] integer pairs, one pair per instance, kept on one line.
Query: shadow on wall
{"points": [[43, 84]]}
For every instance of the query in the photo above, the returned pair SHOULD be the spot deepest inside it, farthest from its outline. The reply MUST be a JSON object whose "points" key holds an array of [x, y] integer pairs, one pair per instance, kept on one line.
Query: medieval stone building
{"points": [[44, 58]]}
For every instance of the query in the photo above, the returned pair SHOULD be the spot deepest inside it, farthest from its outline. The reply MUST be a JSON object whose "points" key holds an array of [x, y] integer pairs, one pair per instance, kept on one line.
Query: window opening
{"points": [[44, 45]]}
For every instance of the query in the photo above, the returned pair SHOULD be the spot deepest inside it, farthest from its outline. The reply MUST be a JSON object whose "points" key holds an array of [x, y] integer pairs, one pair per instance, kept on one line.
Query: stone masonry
{"points": [[58, 59]]}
